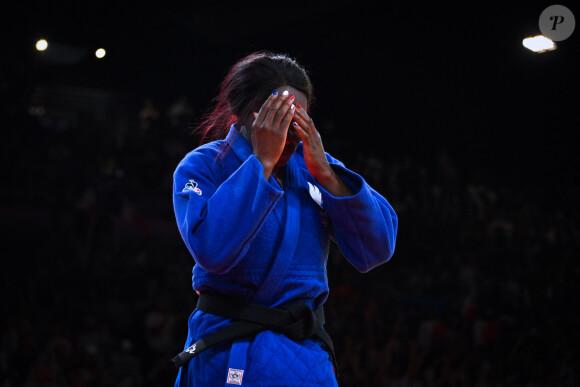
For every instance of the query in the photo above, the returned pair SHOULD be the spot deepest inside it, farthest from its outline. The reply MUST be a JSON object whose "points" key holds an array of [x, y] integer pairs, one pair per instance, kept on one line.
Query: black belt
{"points": [[295, 319]]}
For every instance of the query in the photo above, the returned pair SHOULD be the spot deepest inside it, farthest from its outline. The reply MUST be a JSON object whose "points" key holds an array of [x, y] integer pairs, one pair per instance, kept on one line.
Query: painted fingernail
{"points": [[292, 107], [275, 92], [291, 96], [298, 106], [285, 92], [295, 123]]}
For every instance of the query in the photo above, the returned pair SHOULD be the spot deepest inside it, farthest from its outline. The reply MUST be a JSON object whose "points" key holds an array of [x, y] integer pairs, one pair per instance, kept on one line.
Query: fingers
{"points": [[303, 124], [280, 109], [287, 117], [313, 149], [264, 109], [276, 110]]}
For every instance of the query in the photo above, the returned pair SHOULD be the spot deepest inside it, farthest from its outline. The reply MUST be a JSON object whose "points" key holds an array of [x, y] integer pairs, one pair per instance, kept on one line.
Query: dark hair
{"points": [[247, 85]]}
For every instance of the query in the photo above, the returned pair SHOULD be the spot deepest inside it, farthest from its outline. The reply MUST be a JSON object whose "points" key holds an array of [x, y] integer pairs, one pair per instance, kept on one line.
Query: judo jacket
{"points": [[255, 241]]}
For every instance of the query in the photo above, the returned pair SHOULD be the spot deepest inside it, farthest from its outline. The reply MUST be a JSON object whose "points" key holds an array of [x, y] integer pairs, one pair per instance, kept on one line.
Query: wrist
{"points": [[326, 177], [267, 168], [332, 183]]}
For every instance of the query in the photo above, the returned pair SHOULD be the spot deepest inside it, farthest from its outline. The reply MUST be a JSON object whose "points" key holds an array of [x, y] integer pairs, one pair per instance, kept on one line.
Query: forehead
{"points": [[299, 96]]}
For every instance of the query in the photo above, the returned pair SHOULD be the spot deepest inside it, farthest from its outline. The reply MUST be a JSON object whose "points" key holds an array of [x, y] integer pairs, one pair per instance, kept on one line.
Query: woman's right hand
{"points": [[270, 128]]}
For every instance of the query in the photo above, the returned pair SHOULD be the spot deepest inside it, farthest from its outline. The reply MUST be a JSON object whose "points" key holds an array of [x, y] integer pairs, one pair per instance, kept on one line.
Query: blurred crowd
{"points": [[96, 282]]}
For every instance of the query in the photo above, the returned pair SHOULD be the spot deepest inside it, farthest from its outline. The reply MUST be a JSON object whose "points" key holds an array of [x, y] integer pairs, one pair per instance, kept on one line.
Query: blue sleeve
{"points": [[364, 225], [218, 220]]}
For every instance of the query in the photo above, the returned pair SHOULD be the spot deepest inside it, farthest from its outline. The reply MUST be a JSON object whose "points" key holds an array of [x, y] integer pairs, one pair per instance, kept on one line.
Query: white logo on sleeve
{"points": [[192, 186], [235, 376], [315, 194]]}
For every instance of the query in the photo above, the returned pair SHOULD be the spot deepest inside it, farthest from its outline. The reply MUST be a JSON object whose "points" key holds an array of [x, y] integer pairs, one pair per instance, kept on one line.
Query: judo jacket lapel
{"points": [[287, 247]]}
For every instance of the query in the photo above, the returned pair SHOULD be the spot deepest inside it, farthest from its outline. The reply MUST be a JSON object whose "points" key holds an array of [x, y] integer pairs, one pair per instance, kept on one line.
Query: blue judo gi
{"points": [[257, 242]]}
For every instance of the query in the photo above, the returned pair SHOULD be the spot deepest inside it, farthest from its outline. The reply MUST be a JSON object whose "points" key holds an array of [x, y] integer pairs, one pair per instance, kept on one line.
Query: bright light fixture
{"points": [[41, 45], [539, 44], [100, 53]]}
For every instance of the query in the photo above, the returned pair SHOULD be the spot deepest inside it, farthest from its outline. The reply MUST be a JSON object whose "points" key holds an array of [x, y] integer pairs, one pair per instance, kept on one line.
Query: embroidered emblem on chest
{"points": [[315, 194], [192, 186], [235, 376]]}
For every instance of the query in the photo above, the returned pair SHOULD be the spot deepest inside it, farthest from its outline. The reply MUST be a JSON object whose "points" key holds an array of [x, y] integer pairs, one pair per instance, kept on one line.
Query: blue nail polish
{"points": [[275, 92], [295, 123]]}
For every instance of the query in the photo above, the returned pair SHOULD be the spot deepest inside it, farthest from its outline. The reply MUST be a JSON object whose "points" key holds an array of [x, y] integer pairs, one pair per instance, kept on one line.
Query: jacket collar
{"points": [[241, 148]]}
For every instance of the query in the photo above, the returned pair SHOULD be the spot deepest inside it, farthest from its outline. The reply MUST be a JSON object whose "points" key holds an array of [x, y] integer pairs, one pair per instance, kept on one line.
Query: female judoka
{"points": [[257, 207]]}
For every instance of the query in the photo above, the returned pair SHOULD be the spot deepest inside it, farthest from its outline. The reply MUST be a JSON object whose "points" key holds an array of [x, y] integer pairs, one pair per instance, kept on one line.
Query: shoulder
{"points": [[209, 151], [206, 156]]}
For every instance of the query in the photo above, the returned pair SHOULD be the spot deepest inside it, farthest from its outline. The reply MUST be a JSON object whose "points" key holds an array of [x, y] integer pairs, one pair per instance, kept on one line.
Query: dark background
{"points": [[468, 134], [421, 77]]}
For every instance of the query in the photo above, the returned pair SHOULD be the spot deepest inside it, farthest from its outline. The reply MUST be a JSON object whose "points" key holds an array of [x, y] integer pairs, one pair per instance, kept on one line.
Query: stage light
{"points": [[539, 44], [41, 45], [100, 53]]}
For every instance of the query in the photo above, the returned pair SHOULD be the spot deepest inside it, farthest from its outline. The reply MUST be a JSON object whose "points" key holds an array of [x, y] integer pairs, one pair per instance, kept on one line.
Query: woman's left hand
{"points": [[314, 155]]}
